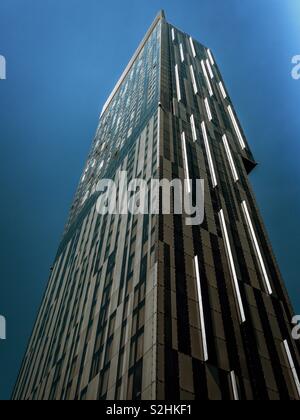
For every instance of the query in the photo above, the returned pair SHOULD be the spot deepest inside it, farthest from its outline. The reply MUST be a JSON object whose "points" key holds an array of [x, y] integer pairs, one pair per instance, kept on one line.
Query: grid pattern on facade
{"points": [[95, 334], [146, 307], [234, 345]]}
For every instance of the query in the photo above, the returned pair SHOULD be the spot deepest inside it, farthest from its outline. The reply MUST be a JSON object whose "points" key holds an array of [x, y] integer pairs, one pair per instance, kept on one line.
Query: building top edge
{"points": [[160, 16]]}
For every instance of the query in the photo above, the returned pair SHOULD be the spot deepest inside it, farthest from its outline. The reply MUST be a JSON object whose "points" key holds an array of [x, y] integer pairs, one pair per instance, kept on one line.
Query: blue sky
{"points": [[63, 59]]}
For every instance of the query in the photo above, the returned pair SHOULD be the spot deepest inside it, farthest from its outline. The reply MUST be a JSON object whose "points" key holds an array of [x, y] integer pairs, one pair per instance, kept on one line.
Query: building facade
{"points": [[145, 306]]}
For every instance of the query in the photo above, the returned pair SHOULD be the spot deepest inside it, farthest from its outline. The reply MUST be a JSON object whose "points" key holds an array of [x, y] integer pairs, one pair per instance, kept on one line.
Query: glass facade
{"points": [[146, 307]]}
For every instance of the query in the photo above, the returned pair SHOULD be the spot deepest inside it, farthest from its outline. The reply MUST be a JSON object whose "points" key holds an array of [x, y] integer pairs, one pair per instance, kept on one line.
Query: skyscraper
{"points": [[145, 306]]}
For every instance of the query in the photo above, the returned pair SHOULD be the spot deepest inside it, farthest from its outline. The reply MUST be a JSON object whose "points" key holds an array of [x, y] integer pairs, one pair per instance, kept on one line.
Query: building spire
{"points": [[162, 14]]}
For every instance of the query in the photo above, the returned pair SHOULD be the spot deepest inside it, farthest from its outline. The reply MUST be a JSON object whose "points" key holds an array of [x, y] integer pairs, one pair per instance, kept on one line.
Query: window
{"points": [[210, 57], [222, 89], [201, 311], [193, 47], [129, 132], [236, 128], [173, 34], [234, 386], [230, 159], [95, 364], [83, 395], [186, 164], [181, 53], [207, 79], [209, 156], [104, 383], [209, 115], [232, 267], [209, 69], [136, 348], [292, 366], [195, 87], [178, 84], [86, 196], [256, 247], [194, 131]]}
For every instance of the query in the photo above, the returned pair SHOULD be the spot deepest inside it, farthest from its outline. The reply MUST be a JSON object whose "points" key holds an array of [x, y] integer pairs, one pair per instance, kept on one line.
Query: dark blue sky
{"points": [[63, 59]]}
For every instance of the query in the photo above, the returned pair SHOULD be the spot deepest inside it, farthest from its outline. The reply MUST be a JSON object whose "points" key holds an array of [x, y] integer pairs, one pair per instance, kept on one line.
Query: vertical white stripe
{"points": [[201, 311], [174, 107], [181, 53], [209, 156], [292, 366], [222, 89], [195, 87], [210, 57], [178, 83], [194, 131], [209, 69], [209, 115], [230, 159], [186, 162], [234, 386], [173, 34], [256, 247], [206, 78], [232, 267], [193, 47], [236, 127]]}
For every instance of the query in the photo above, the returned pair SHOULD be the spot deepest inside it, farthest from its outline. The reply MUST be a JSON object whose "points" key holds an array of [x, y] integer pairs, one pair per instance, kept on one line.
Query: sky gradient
{"points": [[63, 59]]}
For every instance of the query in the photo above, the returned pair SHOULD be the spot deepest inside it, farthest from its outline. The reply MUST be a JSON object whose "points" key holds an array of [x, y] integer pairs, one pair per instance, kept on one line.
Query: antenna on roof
{"points": [[162, 14]]}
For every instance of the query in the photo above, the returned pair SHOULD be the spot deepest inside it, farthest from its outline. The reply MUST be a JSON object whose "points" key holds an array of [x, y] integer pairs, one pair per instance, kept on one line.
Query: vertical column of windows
{"points": [[230, 159], [257, 248], [234, 386], [194, 81], [236, 127], [179, 97], [201, 310], [207, 78], [193, 47], [208, 110], [222, 89], [209, 156], [193, 125], [292, 366], [232, 267], [210, 57], [186, 163], [209, 69]]}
